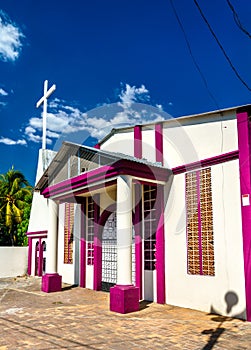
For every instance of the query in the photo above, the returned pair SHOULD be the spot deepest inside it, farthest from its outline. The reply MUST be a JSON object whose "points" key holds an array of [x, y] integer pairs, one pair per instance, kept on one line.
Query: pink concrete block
{"points": [[124, 299], [51, 282]]}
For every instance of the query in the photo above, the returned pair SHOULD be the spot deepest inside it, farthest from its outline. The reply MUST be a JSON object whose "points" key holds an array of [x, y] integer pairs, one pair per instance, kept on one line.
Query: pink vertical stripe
{"points": [[68, 231], [40, 256], [160, 247], [83, 246], [159, 143], [29, 255], [138, 141], [244, 141], [97, 280], [138, 236], [199, 222]]}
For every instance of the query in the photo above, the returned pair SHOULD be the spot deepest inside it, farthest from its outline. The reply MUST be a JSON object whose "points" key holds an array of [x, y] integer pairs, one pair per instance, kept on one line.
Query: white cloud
{"points": [[3, 92], [30, 133], [10, 39], [159, 107], [11, 142], [133, 94], [36, 123], [65, 119]]}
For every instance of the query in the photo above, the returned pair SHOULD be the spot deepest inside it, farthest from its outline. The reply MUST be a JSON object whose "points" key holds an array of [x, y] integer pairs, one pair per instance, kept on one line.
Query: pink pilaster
{"points": [[159, 143], [83, 246], [82, 262], [97, 280], [40, 257], [138, 236], [29, 255], [137, 141], [244, 141], [160, 248]]}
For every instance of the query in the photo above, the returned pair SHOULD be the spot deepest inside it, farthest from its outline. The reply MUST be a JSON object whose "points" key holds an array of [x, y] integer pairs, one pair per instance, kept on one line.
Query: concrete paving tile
{"points": [[78, 318]]}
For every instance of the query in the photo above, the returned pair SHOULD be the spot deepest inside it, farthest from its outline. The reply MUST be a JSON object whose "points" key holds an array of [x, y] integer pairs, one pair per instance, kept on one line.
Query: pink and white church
{"points": [[157, 212]]}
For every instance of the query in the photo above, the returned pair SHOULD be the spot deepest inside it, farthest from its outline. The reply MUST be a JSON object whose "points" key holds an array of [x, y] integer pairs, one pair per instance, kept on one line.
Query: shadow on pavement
{"points": [[231, 299], [69, 287], [144, 304]]}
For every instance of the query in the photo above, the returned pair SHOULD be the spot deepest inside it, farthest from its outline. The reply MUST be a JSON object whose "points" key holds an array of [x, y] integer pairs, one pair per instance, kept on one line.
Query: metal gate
{"points": [[109, 253]]}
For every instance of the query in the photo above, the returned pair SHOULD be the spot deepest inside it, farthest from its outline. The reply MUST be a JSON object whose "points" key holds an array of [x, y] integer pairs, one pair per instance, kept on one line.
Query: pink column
{"points": [[83, 246], [244, 140], [97, 280], [40, 258], [29, 255], [160, 247], [138, 236], [137, 141], [159, 143]]}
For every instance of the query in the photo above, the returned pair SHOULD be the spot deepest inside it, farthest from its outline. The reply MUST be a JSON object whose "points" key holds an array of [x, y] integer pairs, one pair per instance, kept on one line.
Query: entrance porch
{"points": [[122, 226]]}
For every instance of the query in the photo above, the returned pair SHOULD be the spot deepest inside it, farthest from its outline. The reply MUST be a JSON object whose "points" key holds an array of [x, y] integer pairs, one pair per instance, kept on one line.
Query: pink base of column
{"points": [[51, 282], [124, 299]]}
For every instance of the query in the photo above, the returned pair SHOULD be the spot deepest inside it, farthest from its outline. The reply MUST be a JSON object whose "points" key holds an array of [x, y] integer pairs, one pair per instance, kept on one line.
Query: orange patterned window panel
{"points": [[199, 212], [68, 233]]}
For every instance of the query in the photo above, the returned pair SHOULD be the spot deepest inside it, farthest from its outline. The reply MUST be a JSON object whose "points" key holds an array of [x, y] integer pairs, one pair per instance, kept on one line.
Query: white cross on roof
{"points": [[43, 100]]}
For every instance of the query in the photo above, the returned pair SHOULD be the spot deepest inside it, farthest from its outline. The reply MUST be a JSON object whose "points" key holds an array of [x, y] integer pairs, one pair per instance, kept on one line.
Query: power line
{"points": [[237, 19], [192, 56], [221, 47]]}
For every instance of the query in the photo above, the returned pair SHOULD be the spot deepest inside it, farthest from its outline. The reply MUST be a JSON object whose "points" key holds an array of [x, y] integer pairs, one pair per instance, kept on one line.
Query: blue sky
{"points": [[105, 52]]}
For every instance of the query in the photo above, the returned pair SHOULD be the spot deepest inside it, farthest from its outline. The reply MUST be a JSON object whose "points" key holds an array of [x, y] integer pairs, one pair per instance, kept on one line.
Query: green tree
{"points": [[15, 196], [22, 228]]}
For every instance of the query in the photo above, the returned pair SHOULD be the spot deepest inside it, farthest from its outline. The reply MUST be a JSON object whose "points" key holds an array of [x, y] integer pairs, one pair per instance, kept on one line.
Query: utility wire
{"points": [[192, 56], [221, 47], [237, 19]]}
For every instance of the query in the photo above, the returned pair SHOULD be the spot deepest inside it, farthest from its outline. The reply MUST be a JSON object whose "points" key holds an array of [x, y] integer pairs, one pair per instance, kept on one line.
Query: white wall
{"points": [[148, 144], [189, 142], [39, 214], [13, 261], [39, 209], [207, 292], [120, 142]]}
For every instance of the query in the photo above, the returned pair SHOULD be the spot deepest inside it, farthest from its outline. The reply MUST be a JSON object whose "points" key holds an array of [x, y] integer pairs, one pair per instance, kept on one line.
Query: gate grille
{"points": [[109, 253]]}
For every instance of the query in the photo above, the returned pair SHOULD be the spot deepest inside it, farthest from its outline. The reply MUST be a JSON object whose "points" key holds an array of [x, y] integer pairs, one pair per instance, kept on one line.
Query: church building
{"points": [[158, 212]]}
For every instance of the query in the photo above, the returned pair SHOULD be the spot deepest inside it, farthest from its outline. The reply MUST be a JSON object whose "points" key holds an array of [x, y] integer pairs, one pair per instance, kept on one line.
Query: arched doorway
{"points": [[37, 259], [44, 256], [109, 253]]}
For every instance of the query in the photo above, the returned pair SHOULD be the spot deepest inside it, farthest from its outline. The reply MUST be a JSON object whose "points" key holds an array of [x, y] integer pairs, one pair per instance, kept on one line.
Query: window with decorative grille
{"points": [[150, 222], [68, 233], [90, 231], [199, 212]]}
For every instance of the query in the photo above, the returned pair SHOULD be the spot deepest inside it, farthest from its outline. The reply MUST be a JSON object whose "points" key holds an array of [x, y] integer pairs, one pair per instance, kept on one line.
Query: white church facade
{"points": [[157, 212]]}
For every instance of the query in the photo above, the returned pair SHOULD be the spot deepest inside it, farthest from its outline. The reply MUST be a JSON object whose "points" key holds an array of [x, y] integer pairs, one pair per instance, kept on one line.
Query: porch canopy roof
{"points": [[78, 169]]}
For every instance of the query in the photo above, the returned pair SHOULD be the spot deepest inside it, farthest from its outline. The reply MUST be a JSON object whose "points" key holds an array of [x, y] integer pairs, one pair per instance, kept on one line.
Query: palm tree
{"points": [[14, 190]]}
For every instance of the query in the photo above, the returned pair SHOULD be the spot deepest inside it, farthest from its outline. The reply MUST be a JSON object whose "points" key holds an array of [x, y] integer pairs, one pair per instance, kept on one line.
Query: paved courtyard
{"points": [[78, 318]]}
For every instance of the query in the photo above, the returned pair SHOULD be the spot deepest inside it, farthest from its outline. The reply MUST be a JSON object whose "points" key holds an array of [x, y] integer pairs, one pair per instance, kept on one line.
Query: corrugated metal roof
{"points": [[90, 154]]}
